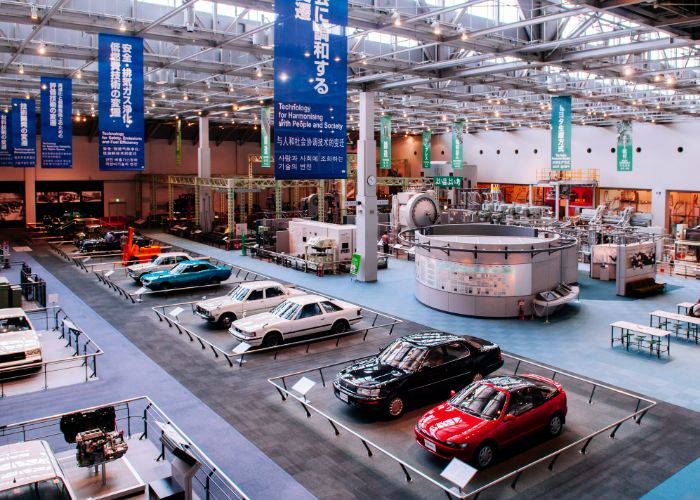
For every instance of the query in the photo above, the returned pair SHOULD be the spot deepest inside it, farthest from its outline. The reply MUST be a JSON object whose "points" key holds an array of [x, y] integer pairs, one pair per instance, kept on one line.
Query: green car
{"points": [[186, 274]]}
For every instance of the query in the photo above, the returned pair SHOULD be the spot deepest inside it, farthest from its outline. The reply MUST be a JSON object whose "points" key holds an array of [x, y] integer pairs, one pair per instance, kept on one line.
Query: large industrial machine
{"points": [[414, 209]]}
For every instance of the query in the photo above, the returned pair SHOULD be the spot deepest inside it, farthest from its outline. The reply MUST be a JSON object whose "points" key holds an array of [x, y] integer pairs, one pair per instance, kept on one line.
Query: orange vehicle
{"points": [[133, 253]]}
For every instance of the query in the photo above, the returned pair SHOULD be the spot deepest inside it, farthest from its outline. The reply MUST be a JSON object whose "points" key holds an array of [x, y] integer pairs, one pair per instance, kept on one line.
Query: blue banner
{"points": [[24, 132], [120, 88], [6, 140], [310, 89], [56, 128], [561, 133]]}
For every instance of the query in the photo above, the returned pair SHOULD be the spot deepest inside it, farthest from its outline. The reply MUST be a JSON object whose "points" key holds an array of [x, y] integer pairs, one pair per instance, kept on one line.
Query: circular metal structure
{"points": [[420, 210], [488, 270]]}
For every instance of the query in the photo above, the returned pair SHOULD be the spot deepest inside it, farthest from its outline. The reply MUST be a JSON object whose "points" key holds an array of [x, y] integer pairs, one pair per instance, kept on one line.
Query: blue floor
{"points": [[126, 372], [578, 340], [684, 485]]}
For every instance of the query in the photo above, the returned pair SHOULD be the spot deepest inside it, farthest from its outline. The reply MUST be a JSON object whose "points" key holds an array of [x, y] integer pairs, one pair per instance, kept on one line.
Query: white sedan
{"points": [[19, 343], [162, 262], [296, 317]]}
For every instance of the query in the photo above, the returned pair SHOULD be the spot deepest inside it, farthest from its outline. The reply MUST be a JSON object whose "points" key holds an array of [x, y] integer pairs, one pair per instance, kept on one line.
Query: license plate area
{"points": [[430, 445]]}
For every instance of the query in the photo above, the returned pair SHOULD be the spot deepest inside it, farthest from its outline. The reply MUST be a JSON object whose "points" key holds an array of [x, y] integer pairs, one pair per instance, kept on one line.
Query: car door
{"points": [[274, 295], [189, 275], [429, 381], [459, 365], [309, 320], [517, 419], [254, 302]]}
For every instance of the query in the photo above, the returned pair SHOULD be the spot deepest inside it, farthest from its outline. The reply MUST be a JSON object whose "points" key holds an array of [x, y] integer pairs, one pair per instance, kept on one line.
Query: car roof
{"points": [[12, 312], [195, 261], [510, 382], [307, 299], [26, 463], [430, 338], [172, 254], [256, 285]]}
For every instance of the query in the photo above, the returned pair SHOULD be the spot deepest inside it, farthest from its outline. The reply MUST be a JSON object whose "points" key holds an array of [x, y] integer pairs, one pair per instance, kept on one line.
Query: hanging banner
{"points": [[24, 132], [385, 143], [457, 145], [426, 151], [561, 133], [120, 88], [6, 140], [56, 127], [624, 146], [178, 142], [310, 89], [265, 137]]}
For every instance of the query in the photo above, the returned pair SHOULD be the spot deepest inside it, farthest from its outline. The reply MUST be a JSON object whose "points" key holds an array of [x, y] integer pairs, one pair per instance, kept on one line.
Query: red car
{"points": [[490, 414]]}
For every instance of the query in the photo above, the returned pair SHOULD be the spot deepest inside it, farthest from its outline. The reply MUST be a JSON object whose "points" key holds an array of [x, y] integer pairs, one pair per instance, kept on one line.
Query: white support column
{"points": [[556, 201], [659, 208], [205, 200], [367, 222], [529, 195]]}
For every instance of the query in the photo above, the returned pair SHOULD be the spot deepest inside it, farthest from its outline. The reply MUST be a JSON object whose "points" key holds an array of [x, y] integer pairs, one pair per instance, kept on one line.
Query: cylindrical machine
{"points": [[417, 209], [490, 270]]}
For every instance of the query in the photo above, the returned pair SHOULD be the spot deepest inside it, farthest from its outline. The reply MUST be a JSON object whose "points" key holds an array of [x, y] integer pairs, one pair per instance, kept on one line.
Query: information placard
{"points": [[24, 132], [447, 181], [6, 140], [56, 128], [120, 87], [310, 89]]}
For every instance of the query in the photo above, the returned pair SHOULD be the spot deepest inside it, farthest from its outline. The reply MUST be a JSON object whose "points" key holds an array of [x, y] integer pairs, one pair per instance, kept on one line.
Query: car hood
{"points": [[216, 302], [157, 274], [370, 373], [445, 422], [18, 342], [257, 321], [141, 267]]}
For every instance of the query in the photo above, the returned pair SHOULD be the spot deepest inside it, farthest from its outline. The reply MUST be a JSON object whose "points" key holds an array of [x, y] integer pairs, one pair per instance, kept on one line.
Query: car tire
{"points": [[340, 326], [484, 455], [225, 320], [272, 339], [395, 407], [555, 424]]}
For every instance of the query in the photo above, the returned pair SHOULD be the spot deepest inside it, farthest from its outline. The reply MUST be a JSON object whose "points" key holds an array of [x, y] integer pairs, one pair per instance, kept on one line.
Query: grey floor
{"points": [[338, 467]]}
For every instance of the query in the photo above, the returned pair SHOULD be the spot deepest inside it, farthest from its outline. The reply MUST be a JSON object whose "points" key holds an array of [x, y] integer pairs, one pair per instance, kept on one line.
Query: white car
{"points": [[19, 343], [30, 470], [162, 262], [247, 299], [296, 317]]}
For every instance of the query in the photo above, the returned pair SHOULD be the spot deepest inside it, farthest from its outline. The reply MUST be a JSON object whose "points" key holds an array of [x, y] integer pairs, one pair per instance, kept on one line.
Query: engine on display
{"points": [[96, 447]]}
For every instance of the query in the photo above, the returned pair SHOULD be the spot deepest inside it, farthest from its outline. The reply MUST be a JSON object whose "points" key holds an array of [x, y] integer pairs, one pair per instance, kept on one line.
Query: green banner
{"points": [[457, 145], [561, 133], [385, 142], [624, 146], [178, 142], [355, 263], [426, 152], [265, 136], [447, 181]]}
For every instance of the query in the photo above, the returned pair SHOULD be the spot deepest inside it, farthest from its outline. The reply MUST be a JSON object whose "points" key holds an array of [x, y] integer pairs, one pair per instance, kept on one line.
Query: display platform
{"points": [[594, 413]]}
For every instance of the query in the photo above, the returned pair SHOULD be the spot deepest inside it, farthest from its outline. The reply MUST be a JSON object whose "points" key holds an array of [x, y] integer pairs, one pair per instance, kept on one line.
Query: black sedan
{"points": [[419, 367]]}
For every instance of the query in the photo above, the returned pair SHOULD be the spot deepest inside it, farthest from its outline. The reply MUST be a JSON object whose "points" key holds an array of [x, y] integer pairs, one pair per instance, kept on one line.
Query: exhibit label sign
{"points": [[426, 153], [447, 181], [23, 132], [120, 88], [310, 89], [561, 133], [6, 140], [624, 146], [385, 142], [56, 127], [457, 145], [265, 137]]}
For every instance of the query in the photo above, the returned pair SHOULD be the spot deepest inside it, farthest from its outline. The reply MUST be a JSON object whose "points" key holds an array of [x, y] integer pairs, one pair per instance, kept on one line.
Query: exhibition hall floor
{"points": [[577, 340], [267, 446]]}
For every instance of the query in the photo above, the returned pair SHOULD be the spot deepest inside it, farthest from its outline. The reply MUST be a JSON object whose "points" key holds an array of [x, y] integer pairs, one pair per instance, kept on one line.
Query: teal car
{"points": [[185, 274]]}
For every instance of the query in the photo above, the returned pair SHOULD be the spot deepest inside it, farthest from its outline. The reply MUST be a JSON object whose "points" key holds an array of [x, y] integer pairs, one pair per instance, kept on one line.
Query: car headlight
{"points": [[33, 352], [461, 446], [364, 391]]}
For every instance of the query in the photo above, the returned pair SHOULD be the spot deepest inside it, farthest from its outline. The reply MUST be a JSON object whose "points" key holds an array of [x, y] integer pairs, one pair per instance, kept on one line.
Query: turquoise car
{"points": [[185, 274]]}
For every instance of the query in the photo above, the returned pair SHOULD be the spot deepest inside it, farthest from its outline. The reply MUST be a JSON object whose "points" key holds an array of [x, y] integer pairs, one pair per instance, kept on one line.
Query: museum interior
{"points": [[291, 249]]}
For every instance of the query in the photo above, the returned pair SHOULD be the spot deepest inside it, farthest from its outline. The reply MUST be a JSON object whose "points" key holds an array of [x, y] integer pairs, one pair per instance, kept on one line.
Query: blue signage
{"points": [[6, 140], [23, 132], [56, 128], [120, 89], [310, 89]]}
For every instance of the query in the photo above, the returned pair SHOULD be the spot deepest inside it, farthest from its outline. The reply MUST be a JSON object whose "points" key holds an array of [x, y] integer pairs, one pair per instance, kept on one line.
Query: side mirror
{"points": [[452, 393]]}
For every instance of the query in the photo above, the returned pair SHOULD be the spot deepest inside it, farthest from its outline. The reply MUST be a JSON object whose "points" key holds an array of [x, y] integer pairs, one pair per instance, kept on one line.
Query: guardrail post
{"points": [[323, 381], [335, 429], [206, 483], [515, 481], [369, 452], [592, 392], [405, 471], [612, 434], [585, 446], [551, 464], [308, 414], [517, 367]]}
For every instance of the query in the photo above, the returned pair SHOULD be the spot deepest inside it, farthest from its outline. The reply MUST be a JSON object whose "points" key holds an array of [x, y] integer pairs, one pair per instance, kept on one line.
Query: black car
{"points": [[419, 367], [103, 244]]}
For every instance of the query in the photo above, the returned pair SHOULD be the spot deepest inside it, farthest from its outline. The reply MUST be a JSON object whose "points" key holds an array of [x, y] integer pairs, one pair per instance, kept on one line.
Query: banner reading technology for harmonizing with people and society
{"points": [[23, 132], [310, 89], [120, 87], [6, 139], [56, 127]]}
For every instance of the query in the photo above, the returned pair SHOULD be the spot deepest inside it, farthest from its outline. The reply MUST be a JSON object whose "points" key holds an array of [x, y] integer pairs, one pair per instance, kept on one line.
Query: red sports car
{"points": [[490, 414]]}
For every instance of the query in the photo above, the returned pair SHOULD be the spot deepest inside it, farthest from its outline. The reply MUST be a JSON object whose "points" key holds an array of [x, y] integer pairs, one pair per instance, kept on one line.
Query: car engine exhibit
{"points": [[302, 249]]}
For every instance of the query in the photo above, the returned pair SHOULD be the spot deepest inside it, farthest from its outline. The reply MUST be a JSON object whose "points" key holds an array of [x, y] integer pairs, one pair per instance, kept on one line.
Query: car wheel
{"points": [[340, 326], [484, 455], [395, 407], [556, 424], [272, 339], [226, 319]]}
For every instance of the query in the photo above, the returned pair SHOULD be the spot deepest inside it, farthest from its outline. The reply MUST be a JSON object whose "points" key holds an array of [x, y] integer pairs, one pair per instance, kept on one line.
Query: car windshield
{"points": [[402, 355], [179, 268], [286, 310], [239, 294], [480, 400], [16, 324]]}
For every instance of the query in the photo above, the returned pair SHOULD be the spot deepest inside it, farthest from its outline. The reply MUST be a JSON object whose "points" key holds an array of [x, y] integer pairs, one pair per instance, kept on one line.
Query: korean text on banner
{"points": [[6, 140], [426, 151], [624, 146], [24, 132], [56, 126], [561, 133], [385, 142], [457, 145]]}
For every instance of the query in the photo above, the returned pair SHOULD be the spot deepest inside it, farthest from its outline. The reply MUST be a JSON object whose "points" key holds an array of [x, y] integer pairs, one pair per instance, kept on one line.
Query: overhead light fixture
{"points": [[34, 12], [258, 72], [21, 69], [465, 35], [628, 71], [436, 27], [396, 18], [184, 97], [225, 114], [162, 95], [284, 76], [79, 75], [336, 58], [670, 80], [657, 78], [26, 96], [206, 99], [42, 49], [153, 104], [122, 25]]}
